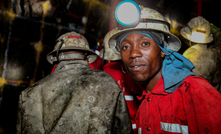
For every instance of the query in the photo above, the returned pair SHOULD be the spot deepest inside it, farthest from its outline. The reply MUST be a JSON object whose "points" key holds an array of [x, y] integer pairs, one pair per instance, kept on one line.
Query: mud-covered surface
{"points": [[74, 99]]}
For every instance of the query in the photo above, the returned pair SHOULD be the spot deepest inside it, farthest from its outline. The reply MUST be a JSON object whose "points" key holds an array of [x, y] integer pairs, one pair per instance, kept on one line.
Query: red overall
{"points": [[193, 108], [127, 85]]}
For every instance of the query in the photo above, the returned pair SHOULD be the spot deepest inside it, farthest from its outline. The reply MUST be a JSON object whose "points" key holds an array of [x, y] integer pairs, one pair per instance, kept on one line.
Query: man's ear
{"points": [[162, 54]]}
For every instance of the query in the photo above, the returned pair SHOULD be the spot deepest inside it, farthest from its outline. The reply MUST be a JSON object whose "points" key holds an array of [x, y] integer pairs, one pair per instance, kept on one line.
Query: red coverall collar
{"points": [[158, 89], [57, 64]]}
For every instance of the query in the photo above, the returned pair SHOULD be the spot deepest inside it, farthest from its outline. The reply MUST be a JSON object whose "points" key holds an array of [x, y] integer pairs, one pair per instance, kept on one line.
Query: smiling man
{"points": [[174, 100]]}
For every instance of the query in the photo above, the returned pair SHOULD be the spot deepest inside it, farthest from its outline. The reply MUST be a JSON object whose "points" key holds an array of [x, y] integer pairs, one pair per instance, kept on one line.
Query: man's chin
{"points": [[139, 79]]}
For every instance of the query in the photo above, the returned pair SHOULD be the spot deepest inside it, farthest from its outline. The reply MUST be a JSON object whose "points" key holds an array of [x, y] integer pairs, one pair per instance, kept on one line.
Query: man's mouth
{"points": [[136, 67]]}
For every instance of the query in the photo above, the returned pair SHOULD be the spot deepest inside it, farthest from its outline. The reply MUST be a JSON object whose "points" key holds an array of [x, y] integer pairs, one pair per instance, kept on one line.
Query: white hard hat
{"points": [[197, 30], [71, 41], [107, 53], [149, 19]]}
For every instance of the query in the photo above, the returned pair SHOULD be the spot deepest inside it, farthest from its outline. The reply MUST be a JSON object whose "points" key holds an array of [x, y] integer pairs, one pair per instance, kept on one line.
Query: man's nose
{"points": [[135, 53]]}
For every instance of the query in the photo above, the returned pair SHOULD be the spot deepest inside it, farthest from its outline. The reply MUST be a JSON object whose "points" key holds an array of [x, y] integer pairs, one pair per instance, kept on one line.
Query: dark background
{"points": [[26, 37]]}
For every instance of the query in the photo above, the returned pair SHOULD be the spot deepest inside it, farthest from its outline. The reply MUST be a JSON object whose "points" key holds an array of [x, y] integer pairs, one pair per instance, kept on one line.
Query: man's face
{"points": [[141, 56]]}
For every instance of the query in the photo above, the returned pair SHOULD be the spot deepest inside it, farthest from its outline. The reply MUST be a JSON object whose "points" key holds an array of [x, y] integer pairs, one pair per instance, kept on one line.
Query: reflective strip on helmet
{"points": [[201, 31], [74, 36]]}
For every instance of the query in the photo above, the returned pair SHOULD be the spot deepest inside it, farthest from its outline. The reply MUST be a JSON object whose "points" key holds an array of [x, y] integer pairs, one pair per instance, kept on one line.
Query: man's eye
{"points": [[124, 47], [145, 43]]}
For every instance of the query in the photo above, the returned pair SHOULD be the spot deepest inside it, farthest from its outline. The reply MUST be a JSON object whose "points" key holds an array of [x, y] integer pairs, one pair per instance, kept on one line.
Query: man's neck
{"points": [[152, 83]]}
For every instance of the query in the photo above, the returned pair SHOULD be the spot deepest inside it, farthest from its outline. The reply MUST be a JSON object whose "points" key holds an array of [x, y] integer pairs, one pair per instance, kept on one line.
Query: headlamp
{"points": [[127, 13]]}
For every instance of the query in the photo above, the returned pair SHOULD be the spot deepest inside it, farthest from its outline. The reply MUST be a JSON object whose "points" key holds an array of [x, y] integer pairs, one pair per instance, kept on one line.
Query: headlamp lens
{"points": [[127, 13]]}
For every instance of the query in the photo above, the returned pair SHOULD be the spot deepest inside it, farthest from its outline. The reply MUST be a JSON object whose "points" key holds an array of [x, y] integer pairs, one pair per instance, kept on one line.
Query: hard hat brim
{"points": [[173, 42], [90, 52]]}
